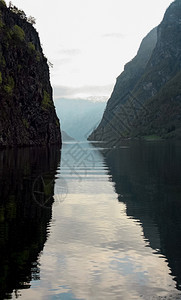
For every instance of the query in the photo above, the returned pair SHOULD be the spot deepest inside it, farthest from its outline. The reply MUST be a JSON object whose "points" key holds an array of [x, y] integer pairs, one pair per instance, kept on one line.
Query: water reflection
{"points": [[147, 179], [26, 194], [98, 247]]}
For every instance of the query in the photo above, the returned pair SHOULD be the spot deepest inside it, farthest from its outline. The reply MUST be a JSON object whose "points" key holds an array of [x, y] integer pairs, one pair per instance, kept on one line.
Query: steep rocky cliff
{"points": [[27, 113], [147, 96]]}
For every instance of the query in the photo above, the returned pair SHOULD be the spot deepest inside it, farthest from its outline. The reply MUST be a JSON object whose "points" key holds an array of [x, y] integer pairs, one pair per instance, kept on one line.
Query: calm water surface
{"points": [[103, 224]]}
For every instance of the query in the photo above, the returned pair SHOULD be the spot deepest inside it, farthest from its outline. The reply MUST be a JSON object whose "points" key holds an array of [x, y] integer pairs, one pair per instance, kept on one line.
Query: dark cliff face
{"points": [[114, 121], [135, 68], [160, 87], [147, 96], [27, 114]]}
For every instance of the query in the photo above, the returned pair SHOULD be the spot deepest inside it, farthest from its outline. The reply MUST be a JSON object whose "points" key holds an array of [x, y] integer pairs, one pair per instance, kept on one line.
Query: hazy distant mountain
{"points": [[146, 99], [79, 117], [66, 137]]}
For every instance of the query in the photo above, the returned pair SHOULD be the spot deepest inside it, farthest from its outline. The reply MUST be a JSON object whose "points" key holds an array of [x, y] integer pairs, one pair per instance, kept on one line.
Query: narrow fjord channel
{"points": [[108, 227]]}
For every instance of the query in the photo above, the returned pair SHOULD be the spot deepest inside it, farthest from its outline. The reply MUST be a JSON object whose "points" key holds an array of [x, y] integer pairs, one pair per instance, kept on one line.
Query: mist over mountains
{"points": [[79, 117]]}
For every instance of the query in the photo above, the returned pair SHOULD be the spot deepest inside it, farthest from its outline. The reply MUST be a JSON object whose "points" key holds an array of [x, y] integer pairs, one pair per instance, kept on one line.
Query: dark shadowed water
{"points": [[106, 224]]}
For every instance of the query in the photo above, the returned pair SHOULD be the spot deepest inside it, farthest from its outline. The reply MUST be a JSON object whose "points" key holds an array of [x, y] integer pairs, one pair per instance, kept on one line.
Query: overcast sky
{"points": [[89, 41]]}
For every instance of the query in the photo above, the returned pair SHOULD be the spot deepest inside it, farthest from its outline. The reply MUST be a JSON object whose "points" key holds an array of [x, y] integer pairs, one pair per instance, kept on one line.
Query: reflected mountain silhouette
{"points": [[25, 213], [147, 179]]}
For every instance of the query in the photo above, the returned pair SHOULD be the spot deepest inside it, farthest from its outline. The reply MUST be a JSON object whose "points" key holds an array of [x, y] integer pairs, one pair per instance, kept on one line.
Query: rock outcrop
{"points": [[146, 99], [27, 114]]}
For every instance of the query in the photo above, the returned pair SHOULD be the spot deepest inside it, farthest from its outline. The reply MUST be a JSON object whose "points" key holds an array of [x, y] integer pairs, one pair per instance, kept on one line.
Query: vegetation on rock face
{"points": [[31, 46], [27, 115], [47, 102], [21, 14], [146, 100], [9, 86], [18, 32], [2, 2]]}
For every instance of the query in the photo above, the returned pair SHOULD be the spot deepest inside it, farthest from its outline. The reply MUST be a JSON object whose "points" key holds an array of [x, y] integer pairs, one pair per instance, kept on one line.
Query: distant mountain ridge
{"points": [[146, 99], [78, 116], [66, 137]]}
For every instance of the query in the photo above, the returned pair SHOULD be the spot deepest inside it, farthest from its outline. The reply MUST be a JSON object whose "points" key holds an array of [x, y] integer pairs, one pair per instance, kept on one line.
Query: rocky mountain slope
{"points": [[27, 114], [147, 96]]}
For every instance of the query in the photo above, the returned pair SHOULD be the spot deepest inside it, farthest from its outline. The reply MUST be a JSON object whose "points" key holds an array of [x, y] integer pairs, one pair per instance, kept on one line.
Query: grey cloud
{"points": [[69, 52], [65, 56], [113, 35], [61, 61], [66, 91]]}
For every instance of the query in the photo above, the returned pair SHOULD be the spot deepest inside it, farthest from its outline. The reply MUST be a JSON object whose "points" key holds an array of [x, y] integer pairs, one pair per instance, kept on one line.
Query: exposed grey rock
{"points": [[146, 97]]}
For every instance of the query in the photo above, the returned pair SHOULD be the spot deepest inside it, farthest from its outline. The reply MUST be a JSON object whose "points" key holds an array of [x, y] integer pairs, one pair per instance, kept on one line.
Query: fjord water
{"points": [[103, 224]]}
